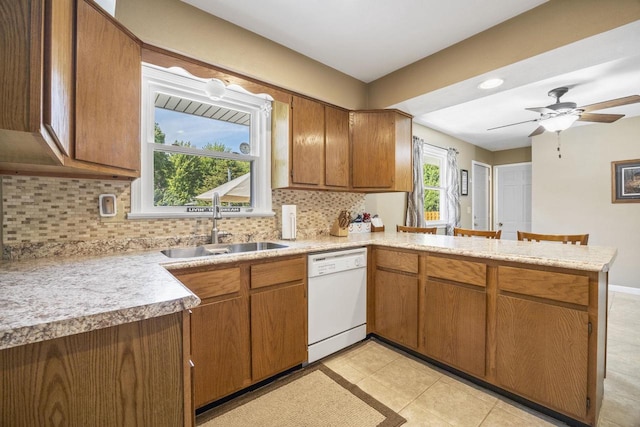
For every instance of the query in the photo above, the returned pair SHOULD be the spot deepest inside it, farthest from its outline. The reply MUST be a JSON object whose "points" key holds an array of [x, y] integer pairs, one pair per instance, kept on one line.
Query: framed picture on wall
{"points": [[464, 182], [625, 181]]}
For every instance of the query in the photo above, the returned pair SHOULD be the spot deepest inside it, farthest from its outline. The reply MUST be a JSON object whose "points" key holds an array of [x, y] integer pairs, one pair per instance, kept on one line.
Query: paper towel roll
{"points": [[289, 223]]}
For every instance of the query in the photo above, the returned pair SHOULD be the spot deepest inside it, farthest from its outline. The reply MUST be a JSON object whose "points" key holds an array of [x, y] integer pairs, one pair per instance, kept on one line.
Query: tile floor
{"points": [[428, 396]]}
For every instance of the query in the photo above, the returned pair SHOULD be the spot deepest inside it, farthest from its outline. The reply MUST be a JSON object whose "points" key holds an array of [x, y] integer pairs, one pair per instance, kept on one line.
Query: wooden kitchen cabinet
{"points": [[220, 335], [396, 296], [310, 145], [542, 345], [252, 323], [454, 306], [381, 150], [278, 316], [71, 76], [125, 375]]}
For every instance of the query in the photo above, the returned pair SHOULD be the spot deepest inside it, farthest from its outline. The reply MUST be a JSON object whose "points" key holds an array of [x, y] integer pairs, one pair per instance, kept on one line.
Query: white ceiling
{"points": [[368, 39]]}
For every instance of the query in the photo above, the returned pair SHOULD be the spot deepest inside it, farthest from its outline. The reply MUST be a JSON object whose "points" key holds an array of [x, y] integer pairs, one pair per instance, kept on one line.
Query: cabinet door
{"points": [[108, 83], [373, 140], [336, 147], [57, 111], [278, 330], [307, 142], [396, 307], [220, 349], [455, 320], [541, 353]]}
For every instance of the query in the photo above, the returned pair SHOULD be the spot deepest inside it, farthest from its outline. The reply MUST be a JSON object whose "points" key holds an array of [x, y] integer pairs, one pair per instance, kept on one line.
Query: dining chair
{"points": [[425, 230], [477, 233], [574, 239]]}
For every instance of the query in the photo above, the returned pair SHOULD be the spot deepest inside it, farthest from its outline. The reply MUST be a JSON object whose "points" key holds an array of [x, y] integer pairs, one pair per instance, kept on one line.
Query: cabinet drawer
{"points": [[396, 260], [469, 272], [273, 273], [209, 284], [545, 284]]}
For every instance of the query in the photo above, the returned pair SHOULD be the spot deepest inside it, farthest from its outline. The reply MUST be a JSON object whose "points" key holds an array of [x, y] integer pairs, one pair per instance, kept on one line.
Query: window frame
{"points": [[440, 154], [178, 82]]}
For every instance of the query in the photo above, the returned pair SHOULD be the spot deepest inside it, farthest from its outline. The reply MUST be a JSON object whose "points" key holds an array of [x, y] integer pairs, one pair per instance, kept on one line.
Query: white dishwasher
{"points": [[337, 301]]}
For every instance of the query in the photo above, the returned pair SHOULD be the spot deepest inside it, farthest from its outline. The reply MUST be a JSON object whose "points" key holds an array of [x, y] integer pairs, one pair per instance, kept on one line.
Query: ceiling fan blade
{"points": [[600, 118], [513, 124], [611, 103], [541, 110], [538, 131]]}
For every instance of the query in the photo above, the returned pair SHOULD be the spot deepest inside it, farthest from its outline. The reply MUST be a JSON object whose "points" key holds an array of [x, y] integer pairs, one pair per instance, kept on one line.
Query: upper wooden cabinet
{"points": [[71, 91], [310, 147], [381, 151]]}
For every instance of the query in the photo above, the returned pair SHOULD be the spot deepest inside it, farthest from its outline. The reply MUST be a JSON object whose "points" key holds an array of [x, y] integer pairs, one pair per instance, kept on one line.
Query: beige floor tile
{"points": [[418, 417], [470, 388], [419, 365], [623, 358], [392, 398], [372, 358], [405, 379], [603, 422], [453, 405], [342, 367], [617, 384], [530, 417], [621, 410]]}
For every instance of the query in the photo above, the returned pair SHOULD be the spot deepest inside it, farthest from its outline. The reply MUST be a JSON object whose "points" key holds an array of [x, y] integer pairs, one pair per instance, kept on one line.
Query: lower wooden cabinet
{"points": [[455, 326], [396, 308], [395, 296], [543, 338], [125, 375], [278, 330], [252, 323], [220, 344]]}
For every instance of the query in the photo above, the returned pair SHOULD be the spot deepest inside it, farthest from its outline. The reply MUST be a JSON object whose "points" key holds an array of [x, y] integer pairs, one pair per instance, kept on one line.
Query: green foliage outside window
{"points": [[179, 178], [431, 177]]}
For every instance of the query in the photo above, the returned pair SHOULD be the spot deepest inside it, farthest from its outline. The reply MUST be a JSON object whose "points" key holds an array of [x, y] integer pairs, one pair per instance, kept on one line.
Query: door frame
{"points": [[496, 182], [489, 194]]}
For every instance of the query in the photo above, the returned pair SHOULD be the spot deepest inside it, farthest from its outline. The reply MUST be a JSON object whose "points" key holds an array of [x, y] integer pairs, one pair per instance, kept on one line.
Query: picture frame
{"points": [[464, 182], [625, 181]]}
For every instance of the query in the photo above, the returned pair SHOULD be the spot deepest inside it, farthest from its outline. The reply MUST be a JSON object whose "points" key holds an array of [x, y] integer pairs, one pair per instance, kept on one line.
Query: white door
{"points": [[512, 199], [480, 185]]}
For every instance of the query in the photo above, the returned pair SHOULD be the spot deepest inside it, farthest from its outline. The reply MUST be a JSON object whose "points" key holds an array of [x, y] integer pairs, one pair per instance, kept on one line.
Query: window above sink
{"points": [[195, 144]]}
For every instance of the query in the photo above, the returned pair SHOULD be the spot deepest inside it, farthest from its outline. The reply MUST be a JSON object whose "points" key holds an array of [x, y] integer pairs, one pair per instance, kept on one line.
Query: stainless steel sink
{"points": [[219, 249]]}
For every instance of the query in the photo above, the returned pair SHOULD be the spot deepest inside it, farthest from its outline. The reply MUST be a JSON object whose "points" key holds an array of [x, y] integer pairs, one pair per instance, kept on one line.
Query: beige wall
{"points": [[573, 194], [516, 155], [177, 26]]}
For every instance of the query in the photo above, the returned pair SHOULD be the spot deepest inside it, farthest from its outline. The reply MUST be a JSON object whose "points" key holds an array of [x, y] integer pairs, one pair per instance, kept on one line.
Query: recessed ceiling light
{"points": [[490, 84]]}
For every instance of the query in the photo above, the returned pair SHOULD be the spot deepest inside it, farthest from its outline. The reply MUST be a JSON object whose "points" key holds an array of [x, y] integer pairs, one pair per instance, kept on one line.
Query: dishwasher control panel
{"points": [[334, 262]]}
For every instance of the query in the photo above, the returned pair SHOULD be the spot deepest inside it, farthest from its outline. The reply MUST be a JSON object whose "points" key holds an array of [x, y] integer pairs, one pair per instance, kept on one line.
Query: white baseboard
{"points": [[624, 289]]}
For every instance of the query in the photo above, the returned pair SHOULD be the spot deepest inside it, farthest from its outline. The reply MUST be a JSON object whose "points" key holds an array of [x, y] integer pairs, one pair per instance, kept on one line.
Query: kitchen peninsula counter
{"points": [[49, 298]]}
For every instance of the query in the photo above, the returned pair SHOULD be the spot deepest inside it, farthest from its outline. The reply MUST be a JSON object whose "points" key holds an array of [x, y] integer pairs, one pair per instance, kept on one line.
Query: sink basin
{"points": [[219, 249], [233, 248]]}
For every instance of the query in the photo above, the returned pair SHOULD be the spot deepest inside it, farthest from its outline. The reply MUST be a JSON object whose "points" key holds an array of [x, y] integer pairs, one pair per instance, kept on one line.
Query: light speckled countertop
{"points": [[50, 298]]}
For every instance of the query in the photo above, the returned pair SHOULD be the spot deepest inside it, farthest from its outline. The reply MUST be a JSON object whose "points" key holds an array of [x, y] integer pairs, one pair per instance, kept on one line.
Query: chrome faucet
{"points": [[216, 216]]}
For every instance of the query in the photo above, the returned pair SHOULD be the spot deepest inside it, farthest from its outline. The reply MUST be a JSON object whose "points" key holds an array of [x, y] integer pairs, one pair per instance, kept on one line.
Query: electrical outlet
{"points": [[120, 213]]}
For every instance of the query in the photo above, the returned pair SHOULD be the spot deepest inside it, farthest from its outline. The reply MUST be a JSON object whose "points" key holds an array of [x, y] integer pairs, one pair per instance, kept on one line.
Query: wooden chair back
{"points": [[425, 230], [574, 239], [479, 233]]}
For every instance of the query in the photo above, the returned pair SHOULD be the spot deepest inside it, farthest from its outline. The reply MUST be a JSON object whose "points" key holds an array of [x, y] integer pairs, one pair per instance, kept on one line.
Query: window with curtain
{"points": [[434, 172]]}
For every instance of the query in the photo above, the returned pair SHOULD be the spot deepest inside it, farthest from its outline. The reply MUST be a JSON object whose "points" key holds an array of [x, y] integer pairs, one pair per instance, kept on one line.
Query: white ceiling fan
{"points": [[561, 115]]}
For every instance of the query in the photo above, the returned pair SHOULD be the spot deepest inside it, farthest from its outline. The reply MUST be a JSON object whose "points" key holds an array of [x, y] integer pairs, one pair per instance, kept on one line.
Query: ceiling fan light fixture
{"points": [[215, 89], [559, 123], [490, 83]]}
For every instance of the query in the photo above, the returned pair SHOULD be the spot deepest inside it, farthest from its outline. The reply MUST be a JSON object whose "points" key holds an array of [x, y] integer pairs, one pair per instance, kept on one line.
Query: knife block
{"points": [[338, 231]]}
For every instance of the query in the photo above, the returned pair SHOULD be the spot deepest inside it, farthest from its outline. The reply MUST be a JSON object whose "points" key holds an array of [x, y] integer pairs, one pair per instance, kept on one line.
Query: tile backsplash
{"points": [[44, 216]]}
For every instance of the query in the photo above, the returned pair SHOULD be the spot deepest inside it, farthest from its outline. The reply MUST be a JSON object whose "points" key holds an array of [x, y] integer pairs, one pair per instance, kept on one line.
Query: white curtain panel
{"points": [[415, 199], [453, 191]]}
